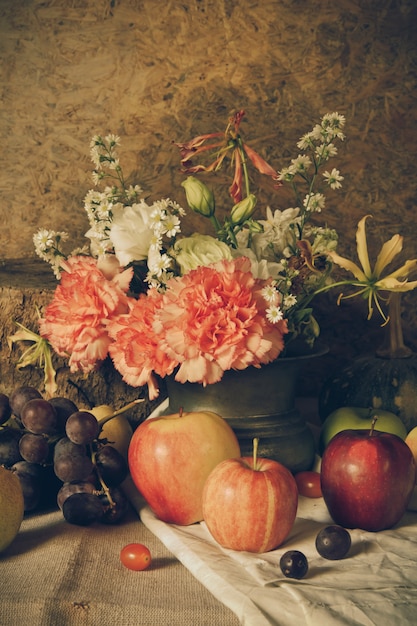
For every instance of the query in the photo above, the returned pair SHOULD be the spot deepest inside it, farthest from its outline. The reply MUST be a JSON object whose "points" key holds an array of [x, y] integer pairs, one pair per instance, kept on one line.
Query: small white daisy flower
{"points": [[274, 314], [333, 178]]}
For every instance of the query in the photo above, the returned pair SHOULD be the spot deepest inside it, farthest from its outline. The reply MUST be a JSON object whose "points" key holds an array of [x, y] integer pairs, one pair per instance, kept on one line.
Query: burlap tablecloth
{"points": [[56, 574]]}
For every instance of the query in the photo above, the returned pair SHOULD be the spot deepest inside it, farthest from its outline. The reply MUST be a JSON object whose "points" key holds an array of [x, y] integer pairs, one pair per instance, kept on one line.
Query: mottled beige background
{"points": [[156, 71]]}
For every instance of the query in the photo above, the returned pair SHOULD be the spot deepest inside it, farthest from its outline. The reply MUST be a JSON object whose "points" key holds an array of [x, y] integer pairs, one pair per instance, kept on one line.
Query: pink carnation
{"points": [[85, 300], [213, 319], [208, 321], [135, 352]]}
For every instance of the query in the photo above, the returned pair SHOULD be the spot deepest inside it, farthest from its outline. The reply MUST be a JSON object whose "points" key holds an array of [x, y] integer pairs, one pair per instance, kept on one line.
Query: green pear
{"points": [[118, 430], [11, 507]]}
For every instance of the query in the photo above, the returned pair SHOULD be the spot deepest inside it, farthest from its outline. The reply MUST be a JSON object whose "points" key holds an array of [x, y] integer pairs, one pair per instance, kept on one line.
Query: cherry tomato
{"points": [[308, 484], [135, 556]]}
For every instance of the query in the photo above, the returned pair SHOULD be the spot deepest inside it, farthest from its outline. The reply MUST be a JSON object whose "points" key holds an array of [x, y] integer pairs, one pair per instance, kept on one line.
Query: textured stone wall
{"points": [[156, 71]]}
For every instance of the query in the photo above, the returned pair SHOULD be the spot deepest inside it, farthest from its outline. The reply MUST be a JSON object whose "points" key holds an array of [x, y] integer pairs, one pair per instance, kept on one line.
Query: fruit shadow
{"points": [[163, 562], [31, 538]]}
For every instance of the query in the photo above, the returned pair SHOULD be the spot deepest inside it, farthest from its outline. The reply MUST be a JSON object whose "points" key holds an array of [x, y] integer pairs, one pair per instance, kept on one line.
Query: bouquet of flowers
{"points": [[207, 303]]}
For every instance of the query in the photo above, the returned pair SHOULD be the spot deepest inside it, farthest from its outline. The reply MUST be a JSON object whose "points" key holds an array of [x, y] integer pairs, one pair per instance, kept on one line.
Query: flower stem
{"points": [[244, 165]]}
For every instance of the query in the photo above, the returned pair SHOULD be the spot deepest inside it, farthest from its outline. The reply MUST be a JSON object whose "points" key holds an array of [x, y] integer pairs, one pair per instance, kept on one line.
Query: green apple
{"points": [[349, 417], [11, 507]]}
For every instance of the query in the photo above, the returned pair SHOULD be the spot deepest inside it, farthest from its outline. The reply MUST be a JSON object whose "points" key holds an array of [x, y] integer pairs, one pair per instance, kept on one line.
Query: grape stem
{"points": [[102, 483]]}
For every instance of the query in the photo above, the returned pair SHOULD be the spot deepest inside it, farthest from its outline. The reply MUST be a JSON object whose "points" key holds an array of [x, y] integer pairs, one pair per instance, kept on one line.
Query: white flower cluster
{"points": [[140, 233], [285, 246], [48, 246], [284, 230], [122, 222]]}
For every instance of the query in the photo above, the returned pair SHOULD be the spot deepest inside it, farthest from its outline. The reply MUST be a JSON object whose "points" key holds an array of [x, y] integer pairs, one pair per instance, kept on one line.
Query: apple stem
{"points": [[120, 411], [374, 419], [181, 411], [255, 453]]}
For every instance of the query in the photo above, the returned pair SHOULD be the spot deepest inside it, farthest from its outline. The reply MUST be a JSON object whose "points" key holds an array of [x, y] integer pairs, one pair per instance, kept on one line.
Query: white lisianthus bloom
{"points": [[260, 268], [278, 236], [197, 250], [130, 233]]}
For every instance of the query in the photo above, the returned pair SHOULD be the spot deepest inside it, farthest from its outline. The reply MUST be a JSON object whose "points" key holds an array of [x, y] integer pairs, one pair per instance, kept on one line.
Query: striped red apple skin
{"points": [[250, 509]]}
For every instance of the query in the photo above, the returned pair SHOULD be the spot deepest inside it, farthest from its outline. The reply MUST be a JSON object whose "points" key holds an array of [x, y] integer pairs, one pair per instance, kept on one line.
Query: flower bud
{"points": [[255, 227], [243, 210], [199, 197]]}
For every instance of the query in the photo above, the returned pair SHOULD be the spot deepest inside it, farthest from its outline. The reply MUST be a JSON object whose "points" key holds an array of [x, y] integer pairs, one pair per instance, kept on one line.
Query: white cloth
{"points": [[376, 584]]}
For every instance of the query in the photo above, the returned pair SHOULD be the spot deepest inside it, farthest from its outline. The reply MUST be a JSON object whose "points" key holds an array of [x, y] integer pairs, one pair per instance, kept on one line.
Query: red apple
{"points": [[170, 458], [367, 479], [250, 503]]}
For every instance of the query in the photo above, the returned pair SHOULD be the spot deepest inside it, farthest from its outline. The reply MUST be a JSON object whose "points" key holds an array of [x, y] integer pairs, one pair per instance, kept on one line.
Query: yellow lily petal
{"points": [[405, 270], [362, 246], [49, 374], [389, 250], [24, 334], [348, 265], [390, 283]]}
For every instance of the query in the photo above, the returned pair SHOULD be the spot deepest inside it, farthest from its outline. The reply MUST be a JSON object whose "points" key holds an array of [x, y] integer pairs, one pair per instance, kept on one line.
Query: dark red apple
{"points": [[367, 479]]}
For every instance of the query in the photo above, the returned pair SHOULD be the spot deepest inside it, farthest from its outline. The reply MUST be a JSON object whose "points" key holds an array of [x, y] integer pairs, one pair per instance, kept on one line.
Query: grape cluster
{"points": [[56, 451]]}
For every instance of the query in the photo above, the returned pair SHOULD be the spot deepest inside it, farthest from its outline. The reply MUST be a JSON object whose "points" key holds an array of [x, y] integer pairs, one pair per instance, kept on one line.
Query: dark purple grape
{"points": [[9, 446], [294, 564], [111, 465], [39, 417], [68, 489], [64, 408], [34, 448], [30, 478], [31, 469], [66, 446], [40, 483], [20, 396], [333, 542], [70, 467], [82, 509], [82, 427], [5, 410], [51, 484], [116, 510]]}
